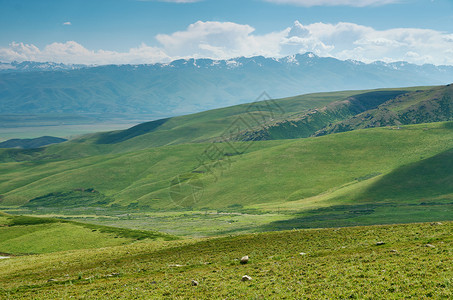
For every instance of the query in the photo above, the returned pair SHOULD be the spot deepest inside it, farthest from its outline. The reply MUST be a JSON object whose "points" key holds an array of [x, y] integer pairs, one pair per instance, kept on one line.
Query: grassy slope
{"points": [[339, 263], [422, 106], [23, 234], [278, 172], [200, 127]]}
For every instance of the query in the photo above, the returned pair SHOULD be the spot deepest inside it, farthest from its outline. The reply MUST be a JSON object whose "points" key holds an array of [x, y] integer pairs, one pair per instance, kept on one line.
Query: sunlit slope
{"points": [[337, 168], [31, 235]]}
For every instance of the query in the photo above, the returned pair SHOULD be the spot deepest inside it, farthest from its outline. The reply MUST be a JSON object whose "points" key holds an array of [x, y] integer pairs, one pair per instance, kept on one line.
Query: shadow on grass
{"points": [[366, 214]]}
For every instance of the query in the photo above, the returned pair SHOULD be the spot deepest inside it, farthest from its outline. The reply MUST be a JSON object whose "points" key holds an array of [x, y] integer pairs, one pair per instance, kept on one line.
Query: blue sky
{"points": [[132, 31]]}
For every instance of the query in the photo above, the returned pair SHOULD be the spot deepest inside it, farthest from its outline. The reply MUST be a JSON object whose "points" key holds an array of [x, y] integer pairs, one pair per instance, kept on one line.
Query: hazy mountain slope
{"points": [[31, 66], [195, 128], [188, 86], [31, 143], [433, 105]]}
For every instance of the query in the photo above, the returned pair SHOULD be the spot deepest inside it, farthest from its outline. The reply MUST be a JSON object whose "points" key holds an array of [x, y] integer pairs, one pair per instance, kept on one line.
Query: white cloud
{"points": [[357, 3], [67, 23], [72, 52], [224, 40], [219, 40], [352, 41]]}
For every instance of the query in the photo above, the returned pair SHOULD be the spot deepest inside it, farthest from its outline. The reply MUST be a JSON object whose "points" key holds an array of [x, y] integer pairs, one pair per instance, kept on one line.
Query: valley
{"points": [[280, 169]]}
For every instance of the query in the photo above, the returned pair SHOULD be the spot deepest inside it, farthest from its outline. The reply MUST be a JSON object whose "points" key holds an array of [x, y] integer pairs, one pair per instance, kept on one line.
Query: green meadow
{"points": [[393, 261]]}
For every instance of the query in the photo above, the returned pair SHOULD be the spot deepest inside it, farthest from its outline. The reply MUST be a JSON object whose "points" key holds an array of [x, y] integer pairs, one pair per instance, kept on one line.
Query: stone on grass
{"points": [[380, 243], [430, 246], [246, 278], [244, 260], [194, 283], [302, 253]]}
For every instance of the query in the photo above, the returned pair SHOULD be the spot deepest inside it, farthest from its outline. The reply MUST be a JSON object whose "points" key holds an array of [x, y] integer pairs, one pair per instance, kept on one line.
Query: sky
{"points": [[150, 31]]}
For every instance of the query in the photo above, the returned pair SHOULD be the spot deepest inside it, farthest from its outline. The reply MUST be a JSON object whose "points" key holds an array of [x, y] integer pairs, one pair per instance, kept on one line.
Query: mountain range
{"points": [[193, 85]]}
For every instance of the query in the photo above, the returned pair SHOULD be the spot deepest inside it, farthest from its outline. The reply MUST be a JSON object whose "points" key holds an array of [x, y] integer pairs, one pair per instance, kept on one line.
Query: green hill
{"points": [[290, 175], [31, 143], [197, 162], [391, 262], [423, 106], [31, 235]]}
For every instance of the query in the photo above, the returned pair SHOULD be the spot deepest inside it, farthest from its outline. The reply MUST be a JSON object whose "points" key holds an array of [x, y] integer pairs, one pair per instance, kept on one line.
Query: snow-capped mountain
{"points": [[191, 85], [31, 66]]}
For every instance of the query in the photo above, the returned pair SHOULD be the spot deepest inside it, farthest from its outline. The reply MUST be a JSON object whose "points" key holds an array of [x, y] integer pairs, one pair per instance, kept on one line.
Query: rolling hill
{"points": [[20, 235], [434, 105], [293, 117], [207, 161], [31, 143]]}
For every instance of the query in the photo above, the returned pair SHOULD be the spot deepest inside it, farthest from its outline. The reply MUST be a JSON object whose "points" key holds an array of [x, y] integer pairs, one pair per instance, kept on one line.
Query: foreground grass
{"points": [[414, 261]]}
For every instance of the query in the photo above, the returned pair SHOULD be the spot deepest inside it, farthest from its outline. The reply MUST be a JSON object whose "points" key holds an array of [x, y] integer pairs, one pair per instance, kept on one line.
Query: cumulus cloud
{"points": [[73, 52], [357, 3], [352, 41], [224, 40], [219, 40]]}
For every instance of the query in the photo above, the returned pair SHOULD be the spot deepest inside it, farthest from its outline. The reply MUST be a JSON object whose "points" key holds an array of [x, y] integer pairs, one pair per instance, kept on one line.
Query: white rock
{"points": [[244, 260], [246, 278]]}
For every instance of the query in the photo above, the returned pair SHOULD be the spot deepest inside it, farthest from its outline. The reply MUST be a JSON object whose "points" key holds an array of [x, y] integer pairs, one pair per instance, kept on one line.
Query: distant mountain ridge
{"points": [[193, 85], [32, 66]]}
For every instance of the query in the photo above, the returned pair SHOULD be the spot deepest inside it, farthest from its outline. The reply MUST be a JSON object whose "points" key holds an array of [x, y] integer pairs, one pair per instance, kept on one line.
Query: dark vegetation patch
{"points": [[27, 220], [371, 100], [366, 214], [127, 233], [75, 198]]}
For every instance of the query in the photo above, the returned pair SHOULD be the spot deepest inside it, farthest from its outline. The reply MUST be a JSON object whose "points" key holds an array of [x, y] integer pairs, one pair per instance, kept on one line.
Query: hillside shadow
{"points": [[124, 135], [418, 192], [424, 179]]}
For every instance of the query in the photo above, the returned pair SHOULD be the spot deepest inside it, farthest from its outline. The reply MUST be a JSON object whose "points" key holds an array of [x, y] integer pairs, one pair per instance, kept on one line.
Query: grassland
{"points": [[372, 176], [326, 167], [31, 235], [414, 261]]}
